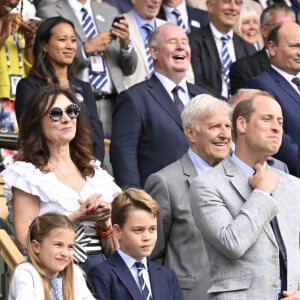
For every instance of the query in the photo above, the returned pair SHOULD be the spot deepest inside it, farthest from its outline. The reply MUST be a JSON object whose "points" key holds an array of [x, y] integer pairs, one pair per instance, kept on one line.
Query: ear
{"points": [[153, 52], [272, 48], [35, 246], [241, 124], [264, 32], [209, 6], [189, 132], [117, 232]]}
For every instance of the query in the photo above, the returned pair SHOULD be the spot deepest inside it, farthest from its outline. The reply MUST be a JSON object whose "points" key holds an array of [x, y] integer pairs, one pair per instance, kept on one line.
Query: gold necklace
{"points": [[70, 183]]}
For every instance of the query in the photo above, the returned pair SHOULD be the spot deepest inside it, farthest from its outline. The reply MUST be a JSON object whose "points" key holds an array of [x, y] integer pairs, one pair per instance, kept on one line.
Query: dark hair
{"points": [[274, 35], [42, 67], [245, 108], [269, 10], [40, 229], [129, 200], [33, 145]]}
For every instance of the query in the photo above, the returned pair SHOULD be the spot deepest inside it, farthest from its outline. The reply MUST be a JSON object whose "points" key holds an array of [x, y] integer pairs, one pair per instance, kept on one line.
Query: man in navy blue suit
{"points": [[284, 50], [187, 17], [147, 132]]}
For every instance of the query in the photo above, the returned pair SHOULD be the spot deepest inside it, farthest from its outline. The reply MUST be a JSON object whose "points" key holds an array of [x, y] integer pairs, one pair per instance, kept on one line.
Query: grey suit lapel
{"points": [[188, 168], [243, 188], [100, 17], [65, 10]]}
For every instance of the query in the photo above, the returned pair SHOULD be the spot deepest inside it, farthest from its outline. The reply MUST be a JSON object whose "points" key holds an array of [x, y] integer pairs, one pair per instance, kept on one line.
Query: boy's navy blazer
{"points": [[115, 281]]}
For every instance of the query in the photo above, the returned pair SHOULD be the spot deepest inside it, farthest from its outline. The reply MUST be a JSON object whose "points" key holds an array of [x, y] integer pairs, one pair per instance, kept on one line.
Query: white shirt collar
{"points": [[217, 34]]}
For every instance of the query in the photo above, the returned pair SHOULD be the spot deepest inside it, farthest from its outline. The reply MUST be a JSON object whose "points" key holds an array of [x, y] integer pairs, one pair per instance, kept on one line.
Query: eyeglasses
{"points": [[56, 113]]}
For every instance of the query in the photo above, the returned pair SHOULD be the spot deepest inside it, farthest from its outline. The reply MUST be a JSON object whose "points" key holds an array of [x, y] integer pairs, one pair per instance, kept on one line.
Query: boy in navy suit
{"points": [[128, 274]]}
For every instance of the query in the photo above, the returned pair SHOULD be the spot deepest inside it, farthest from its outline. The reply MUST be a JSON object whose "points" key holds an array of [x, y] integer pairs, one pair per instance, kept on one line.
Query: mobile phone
{"points": [[117, 20]]}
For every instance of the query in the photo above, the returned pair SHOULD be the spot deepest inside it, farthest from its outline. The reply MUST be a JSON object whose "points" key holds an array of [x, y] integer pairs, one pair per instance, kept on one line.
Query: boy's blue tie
{"points": [[141, 269]]}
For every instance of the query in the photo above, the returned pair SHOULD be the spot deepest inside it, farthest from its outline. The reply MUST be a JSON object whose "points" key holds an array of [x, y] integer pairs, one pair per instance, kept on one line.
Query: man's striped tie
{"points": [[226, 60], [148, 28], [180, 22], [97, 80], [141, 269]]}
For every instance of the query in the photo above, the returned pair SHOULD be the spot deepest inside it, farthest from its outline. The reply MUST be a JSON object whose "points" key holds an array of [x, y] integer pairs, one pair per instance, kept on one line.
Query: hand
{"points": [[121, 30], [28, 29], [99, 43], [93, 209], [291, 295], [9, 24], [264, 179]]}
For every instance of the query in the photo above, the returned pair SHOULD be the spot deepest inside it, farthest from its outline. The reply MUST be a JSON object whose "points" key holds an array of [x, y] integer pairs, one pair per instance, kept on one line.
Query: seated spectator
{"points": [[281, 80], [55, 49], [207, 126], [245, 94], [128, 274], [147, 130], [215, 46], [105, 53], [250, 66], [57, 173], [50, 272], [247, 26]]}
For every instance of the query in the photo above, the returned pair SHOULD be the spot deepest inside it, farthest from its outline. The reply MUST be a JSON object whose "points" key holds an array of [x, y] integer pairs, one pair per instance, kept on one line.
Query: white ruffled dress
{"points": [[53, 194]]}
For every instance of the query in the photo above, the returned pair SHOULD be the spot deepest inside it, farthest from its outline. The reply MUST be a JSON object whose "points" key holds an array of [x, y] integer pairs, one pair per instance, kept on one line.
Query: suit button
{"points": [[275, 285], [275, 255]]}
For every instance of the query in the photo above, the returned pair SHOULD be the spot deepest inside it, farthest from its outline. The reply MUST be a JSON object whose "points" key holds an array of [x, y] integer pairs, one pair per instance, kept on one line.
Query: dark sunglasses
{"points": [[56, 113]]}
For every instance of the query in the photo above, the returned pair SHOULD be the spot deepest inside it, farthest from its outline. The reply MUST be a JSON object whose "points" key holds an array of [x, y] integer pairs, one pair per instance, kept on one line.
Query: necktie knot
{"points": [[176, 12], [178, 16], [84, 12], [144, 289], [296, 81], [148, 28], [139, 265], [225, 39], [179, 104]]}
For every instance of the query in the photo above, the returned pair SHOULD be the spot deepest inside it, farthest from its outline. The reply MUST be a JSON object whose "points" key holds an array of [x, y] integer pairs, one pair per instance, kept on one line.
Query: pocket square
{"points": [[195, 23], [100, 18]]}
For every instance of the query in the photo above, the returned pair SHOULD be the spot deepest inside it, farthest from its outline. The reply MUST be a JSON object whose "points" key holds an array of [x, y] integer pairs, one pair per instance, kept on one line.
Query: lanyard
{"points": [[17, 42]]}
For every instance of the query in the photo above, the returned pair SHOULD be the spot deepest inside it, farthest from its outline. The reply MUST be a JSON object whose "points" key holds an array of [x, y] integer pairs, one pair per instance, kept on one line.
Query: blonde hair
{"points": [[132, 199], [247, 13], [40, 229]]}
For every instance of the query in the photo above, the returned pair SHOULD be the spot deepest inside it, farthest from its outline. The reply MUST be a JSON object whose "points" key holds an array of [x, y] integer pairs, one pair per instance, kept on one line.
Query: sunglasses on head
{"points": [[56, 113]]}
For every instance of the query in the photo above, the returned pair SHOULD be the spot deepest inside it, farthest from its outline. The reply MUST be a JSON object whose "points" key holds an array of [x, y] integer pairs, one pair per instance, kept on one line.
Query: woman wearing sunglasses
{"points": [[57, 173], [54, 50]]}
